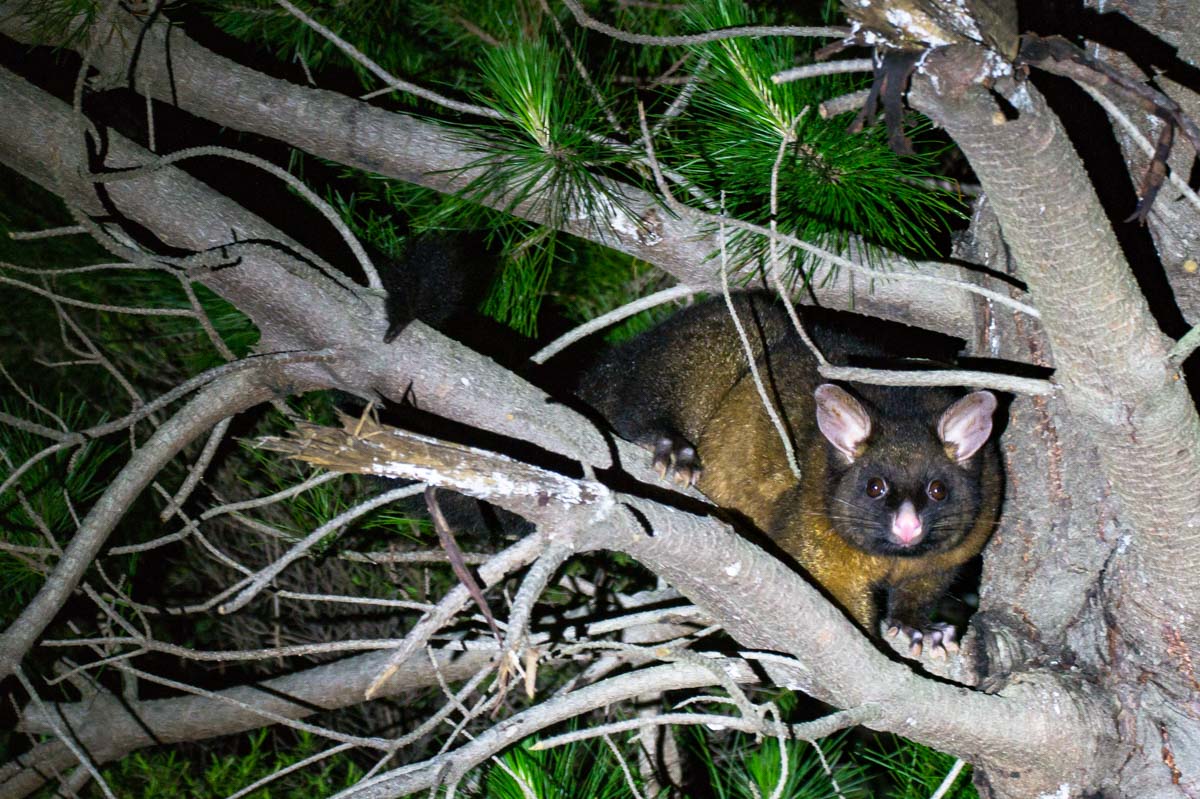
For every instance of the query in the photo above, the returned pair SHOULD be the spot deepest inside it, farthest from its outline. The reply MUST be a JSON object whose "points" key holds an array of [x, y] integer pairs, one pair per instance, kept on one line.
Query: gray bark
{"points": [[1120, 393], [1082, 649]]}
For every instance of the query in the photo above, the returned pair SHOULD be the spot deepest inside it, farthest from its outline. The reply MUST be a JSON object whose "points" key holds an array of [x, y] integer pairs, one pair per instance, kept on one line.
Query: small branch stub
{"points": [[365, 446]]}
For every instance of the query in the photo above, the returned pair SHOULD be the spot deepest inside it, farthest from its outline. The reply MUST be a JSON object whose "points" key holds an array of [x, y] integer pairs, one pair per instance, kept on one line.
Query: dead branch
{"points": [[220, 399]]}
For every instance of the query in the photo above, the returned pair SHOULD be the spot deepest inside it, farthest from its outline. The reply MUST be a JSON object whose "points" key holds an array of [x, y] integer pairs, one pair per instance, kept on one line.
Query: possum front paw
{"points": [[938, 636], [676, 456]]}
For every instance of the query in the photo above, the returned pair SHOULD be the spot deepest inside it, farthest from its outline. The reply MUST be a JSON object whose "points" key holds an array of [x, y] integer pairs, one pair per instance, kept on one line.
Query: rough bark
{"points": [[1117, 385], [1038, 597]]}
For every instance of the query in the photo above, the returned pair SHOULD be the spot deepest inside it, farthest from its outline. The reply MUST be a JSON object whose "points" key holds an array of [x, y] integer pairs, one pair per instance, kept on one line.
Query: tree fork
{"points": [[1099, 324], [1115, 377]]}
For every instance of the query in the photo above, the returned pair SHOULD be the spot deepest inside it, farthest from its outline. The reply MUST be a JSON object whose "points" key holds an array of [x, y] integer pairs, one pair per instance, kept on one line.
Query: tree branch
{"points": [[779, 612], [109, 727], [293, 309], [426, 154], [220, 399]]}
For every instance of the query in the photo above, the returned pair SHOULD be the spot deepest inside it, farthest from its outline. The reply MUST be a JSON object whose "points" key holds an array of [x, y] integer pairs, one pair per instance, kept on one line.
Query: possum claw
{"points": [[938, 636], [675, 456]]}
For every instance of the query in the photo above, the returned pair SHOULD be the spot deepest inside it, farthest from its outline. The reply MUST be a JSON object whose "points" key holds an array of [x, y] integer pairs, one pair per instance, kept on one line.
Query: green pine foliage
{"points": [[54, 19], [743, 767], [555, 144], [832, 185], [586, 769], [551, 153], [916, 771], [517, 291]]}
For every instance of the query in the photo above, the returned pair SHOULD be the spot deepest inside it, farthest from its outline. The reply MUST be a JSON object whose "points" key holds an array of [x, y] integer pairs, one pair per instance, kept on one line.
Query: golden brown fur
{"points": [[688, 380]]}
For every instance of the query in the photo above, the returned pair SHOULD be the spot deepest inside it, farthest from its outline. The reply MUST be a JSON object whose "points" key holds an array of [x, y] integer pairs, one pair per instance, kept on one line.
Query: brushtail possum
{"points": [[899, 486]]}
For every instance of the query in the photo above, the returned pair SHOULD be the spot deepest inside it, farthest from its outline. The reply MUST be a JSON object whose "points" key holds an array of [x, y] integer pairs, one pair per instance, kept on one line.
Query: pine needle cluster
{"points": [[833, 186], [567, 99]]}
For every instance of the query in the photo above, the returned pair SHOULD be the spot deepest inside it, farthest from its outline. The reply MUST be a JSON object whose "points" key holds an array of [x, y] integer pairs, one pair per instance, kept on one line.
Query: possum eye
{"points": [[876, 487], [936, 490]]}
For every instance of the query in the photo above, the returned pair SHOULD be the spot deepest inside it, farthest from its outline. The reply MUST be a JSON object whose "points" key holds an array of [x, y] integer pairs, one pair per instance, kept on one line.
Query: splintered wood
{"points": [[365, 446]]}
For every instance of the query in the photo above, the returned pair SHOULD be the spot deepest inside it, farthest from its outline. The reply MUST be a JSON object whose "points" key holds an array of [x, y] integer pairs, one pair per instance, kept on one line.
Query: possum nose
{"points": [[906, 525]]}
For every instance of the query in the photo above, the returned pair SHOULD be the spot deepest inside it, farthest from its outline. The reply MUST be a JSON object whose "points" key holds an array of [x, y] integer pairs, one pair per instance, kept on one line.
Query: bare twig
{"points": [[429, 556], [407, 604], [332, 527], [581, 68], [840, 105], [535, 582], [196, 472], [752, 362], [1184, 347], [682, 100], [381, 73], [823, 68], [748, 31], [611, 318], [948, 782], [231, 656], [225, 396], [283, 772], [633, 789], [501, 565], [48, 233], [255, 363], [828, 771], [457, 563], [206, 324], [1138, 138], [95, 306]]}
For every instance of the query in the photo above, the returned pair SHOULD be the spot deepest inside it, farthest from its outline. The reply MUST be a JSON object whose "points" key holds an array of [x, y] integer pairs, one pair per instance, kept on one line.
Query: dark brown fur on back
{"points": [[688, 380]]}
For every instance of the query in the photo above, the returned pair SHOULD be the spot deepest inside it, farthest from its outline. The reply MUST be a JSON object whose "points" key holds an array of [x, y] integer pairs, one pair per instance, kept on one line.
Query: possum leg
{"points": [[676, 456], [938, 636], [909, 606]]}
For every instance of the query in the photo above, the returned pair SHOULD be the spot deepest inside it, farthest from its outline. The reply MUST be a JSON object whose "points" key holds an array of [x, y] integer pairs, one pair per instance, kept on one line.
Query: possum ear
{"points": [[842, 420], [966, 425]]}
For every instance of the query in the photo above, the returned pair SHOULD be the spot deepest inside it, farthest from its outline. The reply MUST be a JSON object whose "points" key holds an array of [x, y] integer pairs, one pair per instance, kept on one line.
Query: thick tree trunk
{"points": [[1125, 615]]}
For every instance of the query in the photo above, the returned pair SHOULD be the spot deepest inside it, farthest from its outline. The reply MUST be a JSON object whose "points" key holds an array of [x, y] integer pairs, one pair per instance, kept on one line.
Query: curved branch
{"points": [[741, 32]]}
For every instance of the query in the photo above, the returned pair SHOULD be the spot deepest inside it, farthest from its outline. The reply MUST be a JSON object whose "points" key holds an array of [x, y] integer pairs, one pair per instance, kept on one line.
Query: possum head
{"points": [[903, 481]]}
